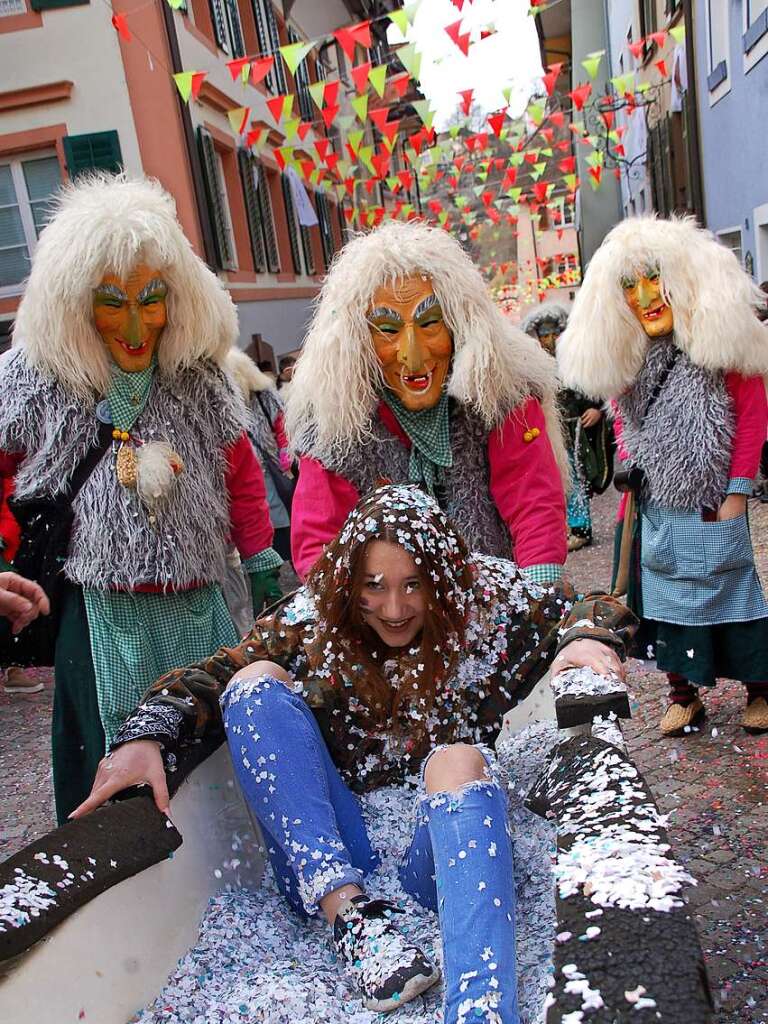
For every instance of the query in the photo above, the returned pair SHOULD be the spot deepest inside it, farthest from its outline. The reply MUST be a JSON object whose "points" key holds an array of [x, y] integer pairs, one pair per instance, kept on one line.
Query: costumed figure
{"points": [[118, 415], [410, 373], [664, 327], [398, 659], [590, 451], [266, 430]]}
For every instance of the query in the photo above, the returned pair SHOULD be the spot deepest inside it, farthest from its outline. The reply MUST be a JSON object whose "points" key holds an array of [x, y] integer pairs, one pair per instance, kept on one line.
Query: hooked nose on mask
{"points": [[411, 355]]}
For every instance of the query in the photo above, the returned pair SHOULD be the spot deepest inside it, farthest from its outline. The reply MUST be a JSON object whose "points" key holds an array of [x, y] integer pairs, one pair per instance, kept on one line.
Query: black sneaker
{"points": [[389, 970]]}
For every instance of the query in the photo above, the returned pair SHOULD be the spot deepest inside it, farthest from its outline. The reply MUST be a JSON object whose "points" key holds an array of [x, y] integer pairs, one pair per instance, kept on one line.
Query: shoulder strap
{"points": [[661, 381], [90, 460]]}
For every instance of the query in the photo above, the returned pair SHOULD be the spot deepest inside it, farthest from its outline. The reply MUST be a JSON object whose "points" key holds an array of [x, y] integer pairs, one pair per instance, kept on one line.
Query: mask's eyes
{"points": [[388, 327], [431, 318], [652, 274], [628, 282], [152, 300]]}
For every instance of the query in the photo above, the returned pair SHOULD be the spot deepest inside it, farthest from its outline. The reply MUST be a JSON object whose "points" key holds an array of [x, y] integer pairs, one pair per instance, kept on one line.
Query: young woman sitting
{"points": [[402, 653]]}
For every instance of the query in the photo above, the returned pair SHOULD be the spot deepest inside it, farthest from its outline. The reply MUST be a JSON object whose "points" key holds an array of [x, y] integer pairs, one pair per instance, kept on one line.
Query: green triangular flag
{"points": [[183, 82], [400, 18], [454, 130], [442, 217], [377, 78], [317, 91], [410, 58], [365, 153], [291, 127], [516, 159], [354, 139], [536, 112], [422, 109], [592, 64], [678, 33], [392, 183], [360, 106], [294, 54], [506, 92]]}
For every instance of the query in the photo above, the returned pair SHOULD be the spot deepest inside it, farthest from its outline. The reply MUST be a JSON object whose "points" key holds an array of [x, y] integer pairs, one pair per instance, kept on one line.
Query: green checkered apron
{"points": [[429, 432]]}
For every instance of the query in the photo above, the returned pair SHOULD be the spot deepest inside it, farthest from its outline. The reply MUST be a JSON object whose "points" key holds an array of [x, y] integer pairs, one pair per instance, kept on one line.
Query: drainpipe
{"points": [[694, 144], [209, 248]]}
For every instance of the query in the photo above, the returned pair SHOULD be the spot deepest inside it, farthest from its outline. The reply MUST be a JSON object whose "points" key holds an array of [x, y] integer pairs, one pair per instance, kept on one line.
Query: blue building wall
{"points": [[734, 128]]}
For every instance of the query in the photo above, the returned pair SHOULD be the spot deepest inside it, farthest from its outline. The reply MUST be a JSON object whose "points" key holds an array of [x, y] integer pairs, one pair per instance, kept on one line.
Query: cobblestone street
{"points": [[713, 784]]}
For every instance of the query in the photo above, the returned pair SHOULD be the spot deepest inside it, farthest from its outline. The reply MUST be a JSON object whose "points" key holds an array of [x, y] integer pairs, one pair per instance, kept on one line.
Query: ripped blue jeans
{"points": [[459, 863]]}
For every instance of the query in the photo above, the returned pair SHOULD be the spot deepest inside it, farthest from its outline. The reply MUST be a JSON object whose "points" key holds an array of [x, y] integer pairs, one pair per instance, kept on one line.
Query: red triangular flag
{"points": [[568, 165], [400, 83], [260, 68], [636, 49], [510, 177], [198, 78], [307, 167], [496, 121], [580, 95], [322, 146], [346, 41], [406, 179], [379, 117], [276, 105], [331, 160], [466, 99], [659, 38], [461, 39], [360, 76], [608, 116], [390, 129], [279, 158], [303, 130], [121, 25], [361, 33], [331, 92], [329, 115], [557, 119], [236, 66], [662, 68]]}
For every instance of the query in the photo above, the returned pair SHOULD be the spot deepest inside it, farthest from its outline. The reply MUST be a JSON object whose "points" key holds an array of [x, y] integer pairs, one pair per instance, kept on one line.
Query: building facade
{"points": [[80, 96], [732, 80]]}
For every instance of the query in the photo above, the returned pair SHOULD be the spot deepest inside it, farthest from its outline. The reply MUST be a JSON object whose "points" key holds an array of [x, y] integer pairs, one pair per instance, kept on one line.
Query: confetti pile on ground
{"points": [[257, 961]]}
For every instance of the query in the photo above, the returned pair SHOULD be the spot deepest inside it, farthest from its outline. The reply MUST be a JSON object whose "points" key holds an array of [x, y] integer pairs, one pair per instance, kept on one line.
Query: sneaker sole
{"points": [[698, 717], [413, 987], [24, 689]]}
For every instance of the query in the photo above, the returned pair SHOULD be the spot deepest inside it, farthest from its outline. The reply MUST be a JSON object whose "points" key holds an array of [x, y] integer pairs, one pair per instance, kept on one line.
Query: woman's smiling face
{"points": [[392, 598]]}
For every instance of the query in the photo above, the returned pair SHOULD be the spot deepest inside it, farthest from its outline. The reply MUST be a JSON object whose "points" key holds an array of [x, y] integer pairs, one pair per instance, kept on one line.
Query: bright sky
{"points": [[510, 57]]}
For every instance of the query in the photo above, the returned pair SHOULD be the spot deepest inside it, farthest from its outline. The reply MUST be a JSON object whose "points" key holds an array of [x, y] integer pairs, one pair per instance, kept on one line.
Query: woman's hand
{"points": [[735, 505], [591, 418], [134, 764], [21, 600], [589, 654]]}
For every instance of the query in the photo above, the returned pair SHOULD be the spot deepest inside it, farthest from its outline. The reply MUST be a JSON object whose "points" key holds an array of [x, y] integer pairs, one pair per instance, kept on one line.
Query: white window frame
{"points": [[25, 207], [736, 230], [760, 49], [721, 90], [21, 8]]}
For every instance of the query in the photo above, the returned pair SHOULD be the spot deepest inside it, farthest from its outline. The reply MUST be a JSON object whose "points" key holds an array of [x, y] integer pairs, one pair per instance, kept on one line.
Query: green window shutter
{"points": [[97, 151], [50, 5], [306, 245], [249, 168], [290, 216], [225, 257], [268, 222]]}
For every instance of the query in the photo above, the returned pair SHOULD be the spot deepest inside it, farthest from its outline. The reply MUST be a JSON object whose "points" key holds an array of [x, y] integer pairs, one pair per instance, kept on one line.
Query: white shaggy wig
{"points": [[245, 373], [105, 224], [335, 385], [713, 301]]}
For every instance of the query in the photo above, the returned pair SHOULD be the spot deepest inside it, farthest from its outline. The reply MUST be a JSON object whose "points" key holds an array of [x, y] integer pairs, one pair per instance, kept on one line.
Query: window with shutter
{"points": [[306, 245], [217, 201], [50, 5], [293, 233], [326, 231], [226, 27], [96, 151], [258, 207], [269, 42], [27, 184]]}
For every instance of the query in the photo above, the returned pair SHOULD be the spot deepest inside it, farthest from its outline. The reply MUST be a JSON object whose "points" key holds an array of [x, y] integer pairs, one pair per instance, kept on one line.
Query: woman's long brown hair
{"points": [[337, 582]]}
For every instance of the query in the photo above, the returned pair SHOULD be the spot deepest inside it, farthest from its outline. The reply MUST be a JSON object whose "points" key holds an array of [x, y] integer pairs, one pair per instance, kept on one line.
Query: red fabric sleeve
{"points": [[9, 528], [321, 503], [527, 488], [248, 509], [751, 411], [278, 429]]}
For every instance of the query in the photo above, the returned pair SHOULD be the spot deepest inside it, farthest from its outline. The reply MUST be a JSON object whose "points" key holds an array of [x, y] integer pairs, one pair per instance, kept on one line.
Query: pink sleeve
{"points": [[248, 509], [751, 409], [279, 431], [321, 503], [527, 488]]}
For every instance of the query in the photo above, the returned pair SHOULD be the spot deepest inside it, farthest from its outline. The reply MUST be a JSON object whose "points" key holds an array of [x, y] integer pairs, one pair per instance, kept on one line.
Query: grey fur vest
{"points": [[114, 542], [468, 499], [684, 443]]}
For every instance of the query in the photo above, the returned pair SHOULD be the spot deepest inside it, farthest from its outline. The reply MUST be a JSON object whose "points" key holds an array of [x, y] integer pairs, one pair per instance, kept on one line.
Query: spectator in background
{"points": [[762, 314], [16, 679], [287, 364]]}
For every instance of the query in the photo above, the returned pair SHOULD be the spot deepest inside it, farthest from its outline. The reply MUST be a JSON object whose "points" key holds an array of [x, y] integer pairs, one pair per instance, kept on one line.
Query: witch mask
{"points": [[411, 340], [130, 313], [645, 298]]}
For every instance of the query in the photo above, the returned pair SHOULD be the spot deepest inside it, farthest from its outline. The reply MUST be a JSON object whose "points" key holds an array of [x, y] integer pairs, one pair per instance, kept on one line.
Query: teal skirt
{"points": [[702, 654]]}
